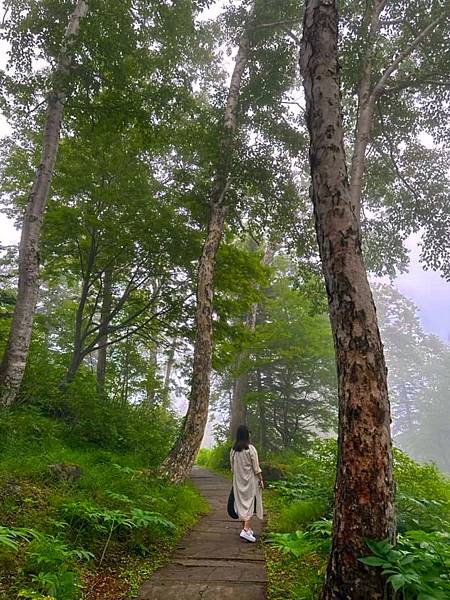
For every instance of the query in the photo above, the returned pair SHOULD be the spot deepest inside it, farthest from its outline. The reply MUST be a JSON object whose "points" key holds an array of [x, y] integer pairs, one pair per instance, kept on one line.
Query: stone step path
{"points": [[211, 562]]}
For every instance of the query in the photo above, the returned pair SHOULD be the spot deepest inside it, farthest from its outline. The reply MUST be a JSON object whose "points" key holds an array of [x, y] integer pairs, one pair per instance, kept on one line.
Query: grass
{"points": [[296, 505], [289, 577], [118, 508]]}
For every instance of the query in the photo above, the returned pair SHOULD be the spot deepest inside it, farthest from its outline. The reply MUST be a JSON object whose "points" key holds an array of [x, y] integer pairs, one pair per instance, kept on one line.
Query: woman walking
{"points": [[247, 482]]}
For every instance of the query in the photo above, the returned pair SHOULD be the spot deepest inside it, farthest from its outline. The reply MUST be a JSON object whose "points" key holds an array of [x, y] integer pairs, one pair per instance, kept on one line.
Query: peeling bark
{"points": [[370, 91], [178, 463], [364, 492], [16, 353], [366, 107]]}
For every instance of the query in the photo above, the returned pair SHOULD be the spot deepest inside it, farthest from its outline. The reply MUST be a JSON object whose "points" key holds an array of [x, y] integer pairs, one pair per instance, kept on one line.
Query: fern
{"points": [[317, 537], [11, 537]]}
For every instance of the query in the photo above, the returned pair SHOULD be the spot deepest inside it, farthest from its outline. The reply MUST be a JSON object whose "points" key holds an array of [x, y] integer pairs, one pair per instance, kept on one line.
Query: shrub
{"points": [[203, 457], [217, 458], [316, 538], [131, 506], [300, 513], [423, 495], [418, 565]]}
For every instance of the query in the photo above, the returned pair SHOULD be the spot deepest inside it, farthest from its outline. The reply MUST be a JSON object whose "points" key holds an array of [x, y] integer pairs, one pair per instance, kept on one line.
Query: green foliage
{"points": [[59, 531], [51, 564], [217, 458], [288, 365], [203, 457], [301, 512], [418, 567], [85, 516], [11, 537], [423, 495], [315, 538], [418, 377], [310, 475], [418, 564], [83, 417]]}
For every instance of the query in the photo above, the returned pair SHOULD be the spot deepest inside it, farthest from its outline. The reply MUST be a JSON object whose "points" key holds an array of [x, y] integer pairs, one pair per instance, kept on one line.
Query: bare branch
{"points": [[387, 22], [276, 24], [379, 87], [292, 35]]}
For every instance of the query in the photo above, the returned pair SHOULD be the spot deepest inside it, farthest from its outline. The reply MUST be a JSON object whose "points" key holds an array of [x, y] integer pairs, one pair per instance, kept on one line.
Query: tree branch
{"points": [[400, 175], [379, 87], [276, 24], [292, 35]]}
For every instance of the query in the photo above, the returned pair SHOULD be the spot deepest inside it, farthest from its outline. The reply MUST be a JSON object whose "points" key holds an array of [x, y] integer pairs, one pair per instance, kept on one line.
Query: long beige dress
{"points": [[245, 467]]}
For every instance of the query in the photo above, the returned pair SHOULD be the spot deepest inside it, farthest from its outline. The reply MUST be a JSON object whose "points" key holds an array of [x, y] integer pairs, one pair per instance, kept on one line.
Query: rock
{"points": [[271, 473], [66, 472], [10, 489]]}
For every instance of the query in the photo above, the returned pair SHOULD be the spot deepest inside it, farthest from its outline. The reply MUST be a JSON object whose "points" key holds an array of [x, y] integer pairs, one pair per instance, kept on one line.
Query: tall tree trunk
{"points": [[369, 92], [178, 463], [262, 413], [364, 492], [126, 371], [103, 332], [366, 105], [168, 371], [78, 353], [16, 353], [238, 412], [152, 371]]}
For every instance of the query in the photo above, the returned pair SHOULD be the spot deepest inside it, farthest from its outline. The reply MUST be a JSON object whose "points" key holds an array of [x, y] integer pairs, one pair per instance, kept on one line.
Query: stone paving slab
{"points": [[211, 562], [203, 591]]}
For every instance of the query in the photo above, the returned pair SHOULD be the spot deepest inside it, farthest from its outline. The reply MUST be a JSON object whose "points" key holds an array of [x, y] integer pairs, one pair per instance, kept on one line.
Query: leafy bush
{"points": [[106, 522], [418, 567], [423, 495], [316, 538], [51, 563], [203, 457], [298, 514], [29, 428], [217, 458], [12, 537], [117, 508]]}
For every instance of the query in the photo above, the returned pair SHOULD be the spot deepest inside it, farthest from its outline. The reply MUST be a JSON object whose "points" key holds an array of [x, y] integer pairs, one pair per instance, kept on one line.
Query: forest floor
{"points": [[211, 561]]}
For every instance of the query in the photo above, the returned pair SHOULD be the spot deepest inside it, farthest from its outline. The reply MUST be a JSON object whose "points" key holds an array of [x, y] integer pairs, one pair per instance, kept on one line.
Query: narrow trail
{"points": [[211, 562]]}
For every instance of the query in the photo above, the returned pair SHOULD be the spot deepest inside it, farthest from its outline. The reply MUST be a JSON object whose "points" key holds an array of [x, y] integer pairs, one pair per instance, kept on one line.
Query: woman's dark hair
{"points": [[242, 438]]}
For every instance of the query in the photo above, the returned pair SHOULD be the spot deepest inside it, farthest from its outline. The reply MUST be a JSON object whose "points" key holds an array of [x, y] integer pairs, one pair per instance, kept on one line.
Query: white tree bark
{"points": [[370, 91], [16, 353]]}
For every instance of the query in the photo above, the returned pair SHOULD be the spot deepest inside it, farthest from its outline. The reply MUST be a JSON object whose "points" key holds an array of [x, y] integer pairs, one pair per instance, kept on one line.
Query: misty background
{"points": [[415, 323]]}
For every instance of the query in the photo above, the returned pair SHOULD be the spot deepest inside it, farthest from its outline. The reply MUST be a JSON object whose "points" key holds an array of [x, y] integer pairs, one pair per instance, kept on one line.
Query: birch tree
{"points": [[396, 50], [178, 464], [15, 357], [364, 492]]}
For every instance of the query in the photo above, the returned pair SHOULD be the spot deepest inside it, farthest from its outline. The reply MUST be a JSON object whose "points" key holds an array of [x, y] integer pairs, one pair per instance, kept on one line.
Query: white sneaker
{"points": [[247, 535]]}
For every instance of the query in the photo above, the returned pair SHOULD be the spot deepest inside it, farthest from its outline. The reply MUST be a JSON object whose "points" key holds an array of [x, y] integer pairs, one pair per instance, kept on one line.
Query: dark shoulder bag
{"points": [[230, 504]]}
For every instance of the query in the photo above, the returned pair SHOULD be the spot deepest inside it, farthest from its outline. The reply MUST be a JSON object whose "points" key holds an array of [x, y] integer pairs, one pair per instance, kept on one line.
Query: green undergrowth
{"points": [[103, 533], [298, 528], [216, 459]]}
